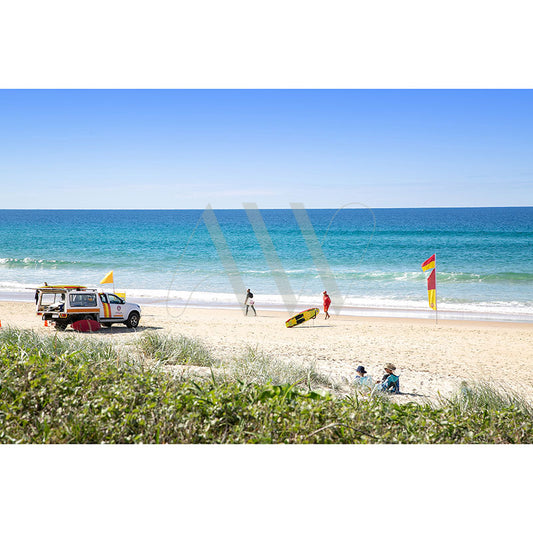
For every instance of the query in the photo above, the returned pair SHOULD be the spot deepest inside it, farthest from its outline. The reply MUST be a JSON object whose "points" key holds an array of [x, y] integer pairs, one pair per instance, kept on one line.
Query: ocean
{"points": [[484, 258]]}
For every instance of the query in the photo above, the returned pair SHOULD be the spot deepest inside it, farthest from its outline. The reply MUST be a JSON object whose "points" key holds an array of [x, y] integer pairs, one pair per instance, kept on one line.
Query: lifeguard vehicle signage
{"points": [[66, 304]]}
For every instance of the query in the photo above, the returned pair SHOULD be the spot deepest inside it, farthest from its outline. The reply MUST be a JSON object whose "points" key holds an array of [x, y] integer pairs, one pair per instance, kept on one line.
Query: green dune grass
{"points": [[73, 389]]}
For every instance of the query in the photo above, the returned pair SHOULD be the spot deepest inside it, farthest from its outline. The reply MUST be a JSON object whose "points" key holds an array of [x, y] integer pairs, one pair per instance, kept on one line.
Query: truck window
{"points": [[83, 300], [113, 299], [48, 298], [103, 297]]}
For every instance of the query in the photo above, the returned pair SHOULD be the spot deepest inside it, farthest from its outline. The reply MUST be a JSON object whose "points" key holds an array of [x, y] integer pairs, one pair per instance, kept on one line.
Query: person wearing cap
{"points": [[390, 381], [362, 380], [327, 303]]}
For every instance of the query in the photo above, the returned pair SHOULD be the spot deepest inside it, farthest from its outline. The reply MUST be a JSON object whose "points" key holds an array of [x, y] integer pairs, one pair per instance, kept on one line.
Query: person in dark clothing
{"points": [[389, 369], [390, 381], [249, 302]]}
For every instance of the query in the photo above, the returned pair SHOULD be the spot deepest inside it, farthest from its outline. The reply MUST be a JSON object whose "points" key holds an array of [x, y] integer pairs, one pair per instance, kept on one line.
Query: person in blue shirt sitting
{"points": [[360, 379]]}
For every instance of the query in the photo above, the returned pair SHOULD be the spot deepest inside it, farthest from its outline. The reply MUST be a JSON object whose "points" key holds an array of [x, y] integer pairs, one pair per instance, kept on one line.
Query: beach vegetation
{"points": [[30, 343], [254, 366], [78, 390], [486, 396], [175, 350]]}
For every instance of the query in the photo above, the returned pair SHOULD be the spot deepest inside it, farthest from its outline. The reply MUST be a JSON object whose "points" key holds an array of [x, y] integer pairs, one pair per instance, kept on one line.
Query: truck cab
{"points": [[66, 304]]}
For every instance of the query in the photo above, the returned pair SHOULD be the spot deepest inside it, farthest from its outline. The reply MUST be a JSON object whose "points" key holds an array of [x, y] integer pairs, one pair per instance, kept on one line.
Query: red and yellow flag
{"points": [[432, 281], [429, 263], [432, 291]]}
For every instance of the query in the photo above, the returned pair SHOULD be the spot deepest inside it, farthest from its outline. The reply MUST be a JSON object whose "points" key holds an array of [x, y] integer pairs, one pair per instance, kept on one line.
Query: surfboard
{"points": [[302, 317], [63, 287], [86, 325]]}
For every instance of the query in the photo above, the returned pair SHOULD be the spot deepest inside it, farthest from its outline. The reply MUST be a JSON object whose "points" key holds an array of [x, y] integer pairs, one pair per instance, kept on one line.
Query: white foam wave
{"points": [[16, 286], [25, 260], [277, 301], [375, 306]]}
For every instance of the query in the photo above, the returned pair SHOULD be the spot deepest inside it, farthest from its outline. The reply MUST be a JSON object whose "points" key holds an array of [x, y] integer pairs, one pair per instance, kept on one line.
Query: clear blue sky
{"points": [[184, 148]]}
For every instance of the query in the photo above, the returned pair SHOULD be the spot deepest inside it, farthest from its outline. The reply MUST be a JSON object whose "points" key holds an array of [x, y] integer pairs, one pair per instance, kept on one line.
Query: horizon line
{"points": [[242, 208]]}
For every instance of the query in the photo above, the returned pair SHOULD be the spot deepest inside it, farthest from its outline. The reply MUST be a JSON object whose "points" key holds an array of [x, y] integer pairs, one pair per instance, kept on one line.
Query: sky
{"points": [[179, 149]]}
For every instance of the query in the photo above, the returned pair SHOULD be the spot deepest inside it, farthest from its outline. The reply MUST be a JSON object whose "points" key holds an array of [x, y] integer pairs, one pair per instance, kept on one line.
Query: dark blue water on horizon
{"points": [[484, 256]]}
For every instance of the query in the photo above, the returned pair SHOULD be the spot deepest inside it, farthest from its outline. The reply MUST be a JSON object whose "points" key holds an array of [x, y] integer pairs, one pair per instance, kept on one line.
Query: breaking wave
{"points": [[29, 261], [442, 277]]}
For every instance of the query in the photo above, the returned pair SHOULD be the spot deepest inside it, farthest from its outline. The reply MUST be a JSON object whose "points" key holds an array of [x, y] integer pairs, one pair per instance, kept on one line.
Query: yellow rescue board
{"points": [[302, 317], [63, 287]]}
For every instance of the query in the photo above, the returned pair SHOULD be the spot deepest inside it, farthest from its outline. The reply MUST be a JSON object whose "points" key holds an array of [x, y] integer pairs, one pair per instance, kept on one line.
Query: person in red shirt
{"points": [[327, 303]]}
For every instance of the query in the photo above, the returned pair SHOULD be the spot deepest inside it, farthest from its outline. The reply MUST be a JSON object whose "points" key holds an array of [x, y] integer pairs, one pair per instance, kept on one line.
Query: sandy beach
{"points": [[431, 358]]}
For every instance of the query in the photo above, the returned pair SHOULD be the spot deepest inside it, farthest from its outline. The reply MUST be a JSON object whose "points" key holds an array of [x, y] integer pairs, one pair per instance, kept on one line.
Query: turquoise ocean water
{"points": [[484, 257]]}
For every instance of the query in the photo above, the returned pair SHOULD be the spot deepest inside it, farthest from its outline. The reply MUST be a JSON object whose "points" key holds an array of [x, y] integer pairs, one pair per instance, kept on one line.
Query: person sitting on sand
{"points": [[327, 303], [360, 379], [249, 302], [390, 381]]}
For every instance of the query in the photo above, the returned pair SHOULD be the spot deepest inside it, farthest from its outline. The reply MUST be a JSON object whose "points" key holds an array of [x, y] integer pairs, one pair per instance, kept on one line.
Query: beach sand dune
{"points": [[431, 358]]}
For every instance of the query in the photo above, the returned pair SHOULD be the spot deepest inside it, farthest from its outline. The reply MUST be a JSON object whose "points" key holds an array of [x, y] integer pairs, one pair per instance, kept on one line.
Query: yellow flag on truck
{"points": [[108, 278]]}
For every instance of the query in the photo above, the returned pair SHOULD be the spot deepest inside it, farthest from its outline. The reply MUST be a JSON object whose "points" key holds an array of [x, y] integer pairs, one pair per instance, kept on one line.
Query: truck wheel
{"points": [[133, 320], [88, 317], [61, 325]]}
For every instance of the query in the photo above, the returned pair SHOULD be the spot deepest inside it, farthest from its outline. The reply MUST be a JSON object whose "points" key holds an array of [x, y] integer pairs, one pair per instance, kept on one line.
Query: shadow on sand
{"points": [[120, 329]]}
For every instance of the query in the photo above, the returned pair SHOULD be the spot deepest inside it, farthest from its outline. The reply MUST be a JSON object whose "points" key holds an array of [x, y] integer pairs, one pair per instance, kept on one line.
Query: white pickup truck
{"points": [[65, 304]]}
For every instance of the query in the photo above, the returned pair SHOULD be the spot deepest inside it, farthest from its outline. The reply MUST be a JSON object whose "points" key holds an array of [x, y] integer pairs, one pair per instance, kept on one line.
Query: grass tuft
{"points": [[485, 396], [256, 367], [32, 344], [173, 350]]}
